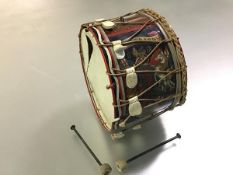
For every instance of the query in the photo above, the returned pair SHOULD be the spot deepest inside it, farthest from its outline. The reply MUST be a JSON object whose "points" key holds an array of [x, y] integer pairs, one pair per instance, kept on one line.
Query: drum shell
{"points": [[177, 51]]}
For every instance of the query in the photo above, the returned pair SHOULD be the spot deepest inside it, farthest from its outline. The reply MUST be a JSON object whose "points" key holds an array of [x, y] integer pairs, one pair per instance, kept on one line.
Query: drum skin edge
{"points": [[88, 85]]}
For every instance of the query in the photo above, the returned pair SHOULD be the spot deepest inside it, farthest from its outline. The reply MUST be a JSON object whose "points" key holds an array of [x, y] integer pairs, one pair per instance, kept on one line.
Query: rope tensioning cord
{"points": [[126, 102], [123, 72]]}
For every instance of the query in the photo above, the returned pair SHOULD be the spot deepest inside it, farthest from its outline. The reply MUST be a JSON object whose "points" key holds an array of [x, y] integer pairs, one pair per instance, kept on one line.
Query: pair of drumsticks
{"points": [[105, 168]]}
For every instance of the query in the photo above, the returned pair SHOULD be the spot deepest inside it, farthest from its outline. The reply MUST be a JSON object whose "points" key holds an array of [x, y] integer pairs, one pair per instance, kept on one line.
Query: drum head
{"points": [[95, 69]]}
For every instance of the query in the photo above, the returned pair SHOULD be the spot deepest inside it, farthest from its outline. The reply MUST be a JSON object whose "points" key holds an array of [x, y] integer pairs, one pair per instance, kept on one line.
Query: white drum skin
{"points": [[95, 71]]}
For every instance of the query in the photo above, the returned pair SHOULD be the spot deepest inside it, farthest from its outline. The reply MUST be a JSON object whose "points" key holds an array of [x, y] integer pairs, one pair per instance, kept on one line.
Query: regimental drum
{"points": [[134, 68]]}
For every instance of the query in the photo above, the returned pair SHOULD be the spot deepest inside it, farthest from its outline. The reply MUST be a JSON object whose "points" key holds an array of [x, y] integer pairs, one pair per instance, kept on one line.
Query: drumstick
{"points": [[122, 164], [104, 168]]}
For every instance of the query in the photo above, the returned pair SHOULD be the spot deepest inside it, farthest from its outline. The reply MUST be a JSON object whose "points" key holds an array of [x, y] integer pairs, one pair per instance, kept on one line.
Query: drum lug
{"points": [[118, 135], [137, 127]]}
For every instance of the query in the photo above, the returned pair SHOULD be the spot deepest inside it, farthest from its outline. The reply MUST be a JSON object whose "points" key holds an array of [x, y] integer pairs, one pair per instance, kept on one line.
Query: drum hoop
{"points": [[115, 100], [114, 60], [88, 85]]}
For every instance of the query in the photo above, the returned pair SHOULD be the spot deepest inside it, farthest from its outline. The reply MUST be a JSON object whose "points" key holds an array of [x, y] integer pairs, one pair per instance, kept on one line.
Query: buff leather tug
{"points": [[134, 69]]}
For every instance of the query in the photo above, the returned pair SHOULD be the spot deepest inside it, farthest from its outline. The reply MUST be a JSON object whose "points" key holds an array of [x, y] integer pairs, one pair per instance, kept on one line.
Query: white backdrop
{"points": [[42, 91]]}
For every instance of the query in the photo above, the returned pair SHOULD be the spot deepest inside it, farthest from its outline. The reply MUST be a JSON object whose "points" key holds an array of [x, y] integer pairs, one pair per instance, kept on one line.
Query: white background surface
{"points": [[42, 91]]}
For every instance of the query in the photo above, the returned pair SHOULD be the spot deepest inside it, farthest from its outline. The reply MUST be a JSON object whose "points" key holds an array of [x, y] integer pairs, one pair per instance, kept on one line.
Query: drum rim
{"points": [[119, 79], [88, 85]]}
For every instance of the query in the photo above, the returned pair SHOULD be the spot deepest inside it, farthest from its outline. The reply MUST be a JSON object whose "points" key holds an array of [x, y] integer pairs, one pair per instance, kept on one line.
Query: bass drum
{"points": [[134, 68]]}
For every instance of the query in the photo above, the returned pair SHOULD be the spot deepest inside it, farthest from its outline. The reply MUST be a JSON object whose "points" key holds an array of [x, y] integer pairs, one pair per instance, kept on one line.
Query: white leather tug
{"points": [[131, 77], [135, 107], [99, 20], [119, 49], [108, 24]]}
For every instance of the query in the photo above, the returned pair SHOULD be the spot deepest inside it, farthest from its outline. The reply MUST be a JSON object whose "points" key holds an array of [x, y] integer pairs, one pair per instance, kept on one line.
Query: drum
{"points": [[134, 68]]}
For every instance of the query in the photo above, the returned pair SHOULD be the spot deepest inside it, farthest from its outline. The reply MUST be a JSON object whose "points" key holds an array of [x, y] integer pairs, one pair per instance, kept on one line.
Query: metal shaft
{"points": [[86, 145], [153, 148]]}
